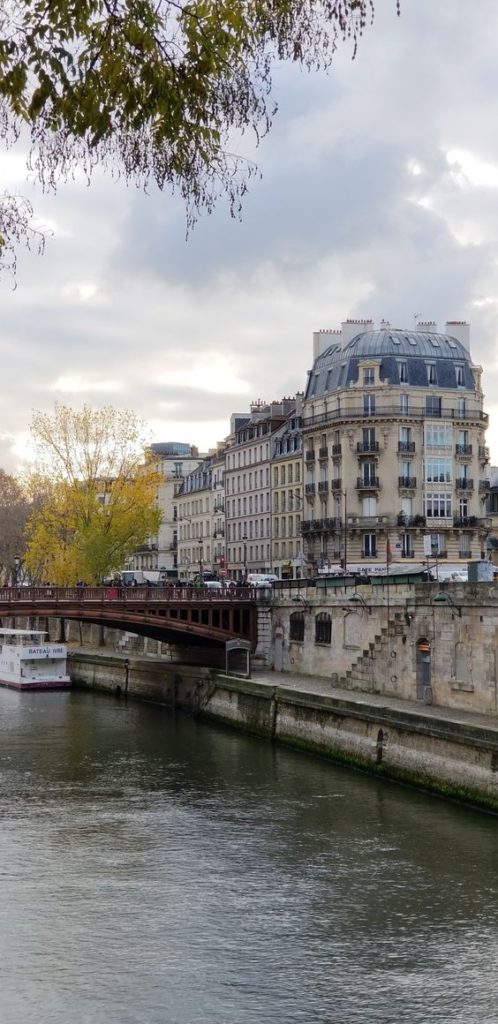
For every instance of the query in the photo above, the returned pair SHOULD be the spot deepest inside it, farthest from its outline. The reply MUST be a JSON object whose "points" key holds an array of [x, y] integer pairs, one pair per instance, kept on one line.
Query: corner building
{"points": [[394, 446]]}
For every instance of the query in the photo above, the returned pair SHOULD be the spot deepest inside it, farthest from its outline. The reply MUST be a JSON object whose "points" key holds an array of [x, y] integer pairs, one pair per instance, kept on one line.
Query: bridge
{"points": [[171, 614]]}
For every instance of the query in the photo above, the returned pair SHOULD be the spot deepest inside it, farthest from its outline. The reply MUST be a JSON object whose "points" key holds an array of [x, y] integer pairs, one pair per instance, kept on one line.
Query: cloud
{"points": [[378, 198]]}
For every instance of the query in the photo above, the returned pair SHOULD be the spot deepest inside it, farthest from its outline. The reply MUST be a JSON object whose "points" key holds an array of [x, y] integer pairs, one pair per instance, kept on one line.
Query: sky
{"points": [[378, 199]]}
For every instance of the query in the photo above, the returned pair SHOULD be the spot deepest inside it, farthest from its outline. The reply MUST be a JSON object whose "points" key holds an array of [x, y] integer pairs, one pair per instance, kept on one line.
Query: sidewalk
{"points": [[317, 685]]}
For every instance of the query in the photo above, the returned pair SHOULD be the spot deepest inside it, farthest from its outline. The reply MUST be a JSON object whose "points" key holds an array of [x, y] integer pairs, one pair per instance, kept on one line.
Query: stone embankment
{"points": [[451, 752]]}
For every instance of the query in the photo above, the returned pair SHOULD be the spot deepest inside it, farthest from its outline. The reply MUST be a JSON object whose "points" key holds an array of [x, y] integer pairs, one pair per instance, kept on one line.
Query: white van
{"points": [[260, 579]]}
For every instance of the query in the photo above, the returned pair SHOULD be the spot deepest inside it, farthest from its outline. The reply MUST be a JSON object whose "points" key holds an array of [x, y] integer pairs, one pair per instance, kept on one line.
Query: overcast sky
{"points": [[379, 198]]}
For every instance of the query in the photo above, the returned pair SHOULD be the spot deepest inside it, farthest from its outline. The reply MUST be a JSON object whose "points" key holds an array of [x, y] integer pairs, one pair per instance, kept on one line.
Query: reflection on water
{"points": [[158, 870]]}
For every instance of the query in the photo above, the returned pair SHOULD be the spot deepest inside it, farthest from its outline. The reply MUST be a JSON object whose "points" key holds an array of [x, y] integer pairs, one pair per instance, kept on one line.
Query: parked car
{"points": [[260, 579], [212, 585]]}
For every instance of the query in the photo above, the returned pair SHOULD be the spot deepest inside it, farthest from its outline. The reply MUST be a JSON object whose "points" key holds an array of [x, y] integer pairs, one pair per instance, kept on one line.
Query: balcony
{"points": [[463, 449], [370, 483], [219, 531], [407, 482], [309, 489], [219, 507], [323, 453], [406, 447], [309, 526], [389, 410], [464, 484], [336, 449], [309, 456], [466, 521], [367, 522], [483, 453], [336, 484], [484, 485], [410, 521], [323, 487], [367, 447], [437, 523]]}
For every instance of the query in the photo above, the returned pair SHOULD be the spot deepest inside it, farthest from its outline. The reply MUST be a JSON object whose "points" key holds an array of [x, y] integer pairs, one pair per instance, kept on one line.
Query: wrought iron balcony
{"points": [[309, 455], [483, 453], [484, 485], [370, 483], [406, 447], [323, 486], [336, 449], [463, 449], [393, 410], [336, 484], [465, 554], [410, 521], [309, 488], [407, 482], [468, 521], [408, 554], [219, 531], [323, 453], [367, 447], [464, 484], [320, 525]]}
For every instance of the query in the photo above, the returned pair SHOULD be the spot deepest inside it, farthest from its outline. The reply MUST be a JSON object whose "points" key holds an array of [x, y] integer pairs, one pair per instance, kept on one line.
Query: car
{"points": [[212, 585], [260, 579]]}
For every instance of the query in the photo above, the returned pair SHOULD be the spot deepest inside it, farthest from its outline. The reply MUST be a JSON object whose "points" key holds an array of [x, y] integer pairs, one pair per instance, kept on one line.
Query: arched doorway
{"points": [[424, 690]]}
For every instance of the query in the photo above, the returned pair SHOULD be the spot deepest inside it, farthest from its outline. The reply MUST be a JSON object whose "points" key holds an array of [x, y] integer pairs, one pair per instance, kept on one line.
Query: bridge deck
{"points": [[168, 613]]}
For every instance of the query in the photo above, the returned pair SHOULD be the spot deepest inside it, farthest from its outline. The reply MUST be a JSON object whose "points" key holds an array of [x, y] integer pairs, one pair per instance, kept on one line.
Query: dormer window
{"points": [[368, 376], [431, 373], [459, 376], [403, 372]]}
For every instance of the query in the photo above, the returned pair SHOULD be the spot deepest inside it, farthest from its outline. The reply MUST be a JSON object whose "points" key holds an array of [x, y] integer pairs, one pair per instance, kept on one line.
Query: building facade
{"points": [[174, 460], [248, 489], [287, 496], [395, 462]]}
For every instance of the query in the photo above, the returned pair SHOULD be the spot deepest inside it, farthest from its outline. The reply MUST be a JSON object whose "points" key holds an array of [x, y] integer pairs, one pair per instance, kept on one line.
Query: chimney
{"points": [[427, 326], [350, 328], [323, 340], [460, 330]]}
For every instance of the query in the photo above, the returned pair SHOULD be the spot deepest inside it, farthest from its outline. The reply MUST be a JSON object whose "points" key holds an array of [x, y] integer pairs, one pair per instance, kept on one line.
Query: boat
{"points": [[29, 662]]}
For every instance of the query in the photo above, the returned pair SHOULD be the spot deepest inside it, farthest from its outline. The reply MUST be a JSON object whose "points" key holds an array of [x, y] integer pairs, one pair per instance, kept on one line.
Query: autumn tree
{"points": [[16, 506], [101, 498], [157, 90]]}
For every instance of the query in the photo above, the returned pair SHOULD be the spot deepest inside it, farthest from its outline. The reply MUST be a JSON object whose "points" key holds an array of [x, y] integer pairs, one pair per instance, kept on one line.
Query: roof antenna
{"points": [[416, 318]]}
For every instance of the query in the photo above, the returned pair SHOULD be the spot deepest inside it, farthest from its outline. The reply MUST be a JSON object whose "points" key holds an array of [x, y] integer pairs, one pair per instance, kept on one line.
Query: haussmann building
{"points": [[394, 447]]}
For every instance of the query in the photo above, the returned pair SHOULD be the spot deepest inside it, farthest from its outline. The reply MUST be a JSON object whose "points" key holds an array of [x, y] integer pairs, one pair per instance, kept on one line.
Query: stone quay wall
{"points": [[457, 759], [429, 642]]}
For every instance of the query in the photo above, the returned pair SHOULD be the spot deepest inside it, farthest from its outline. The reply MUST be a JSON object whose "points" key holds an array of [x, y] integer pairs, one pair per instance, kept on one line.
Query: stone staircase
{"points": [[367, 670]]}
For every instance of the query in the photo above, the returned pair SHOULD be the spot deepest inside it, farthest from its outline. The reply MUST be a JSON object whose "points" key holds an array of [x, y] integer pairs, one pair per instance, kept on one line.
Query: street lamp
{"points": [[15, 569], [244, 539], [200, 557]]}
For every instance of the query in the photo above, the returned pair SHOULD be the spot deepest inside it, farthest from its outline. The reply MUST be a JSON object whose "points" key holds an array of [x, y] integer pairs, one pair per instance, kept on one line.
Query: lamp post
{"points": [[200, 558], [15, 569], [345, 496], [244, 539]]}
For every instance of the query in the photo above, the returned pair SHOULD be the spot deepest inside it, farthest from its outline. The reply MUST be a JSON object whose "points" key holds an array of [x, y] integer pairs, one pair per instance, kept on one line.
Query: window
{"points": [[438, 435], [296, 627], [438, 471], [438, 545], [437, 505], [463, 508], [368, 441], [403, 372], [465, 545], [369, 468], [323, 628], [403, 403], [369, 404], [461, 407], [459, 376], [369, 545], [432, 405], [431, 373], [406, 545], [368, 376]]}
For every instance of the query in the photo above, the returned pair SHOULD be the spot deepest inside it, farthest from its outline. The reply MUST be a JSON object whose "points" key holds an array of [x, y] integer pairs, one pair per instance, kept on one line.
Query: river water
{"points": [[159, 870]]}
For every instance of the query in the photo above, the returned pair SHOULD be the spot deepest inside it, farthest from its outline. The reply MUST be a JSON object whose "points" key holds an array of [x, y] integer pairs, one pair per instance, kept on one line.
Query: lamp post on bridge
{"points": [[244, 541], [15, 569]]}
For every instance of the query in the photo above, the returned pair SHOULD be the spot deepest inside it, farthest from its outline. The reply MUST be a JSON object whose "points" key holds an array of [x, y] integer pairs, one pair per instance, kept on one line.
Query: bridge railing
{"points": [[125, 595]]}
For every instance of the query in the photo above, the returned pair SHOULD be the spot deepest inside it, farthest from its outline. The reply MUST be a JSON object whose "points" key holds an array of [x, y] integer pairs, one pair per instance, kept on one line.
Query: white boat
{"points": [[28, 662]]}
